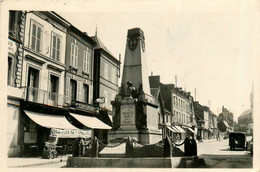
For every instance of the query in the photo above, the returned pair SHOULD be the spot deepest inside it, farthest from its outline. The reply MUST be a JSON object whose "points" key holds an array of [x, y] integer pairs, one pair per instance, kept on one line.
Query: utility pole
{"points": [[176, 80], [195, 94]]}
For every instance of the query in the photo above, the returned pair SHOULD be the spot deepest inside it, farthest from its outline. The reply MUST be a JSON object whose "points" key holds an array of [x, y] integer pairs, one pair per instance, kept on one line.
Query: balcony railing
{"points": [[45, 97]]}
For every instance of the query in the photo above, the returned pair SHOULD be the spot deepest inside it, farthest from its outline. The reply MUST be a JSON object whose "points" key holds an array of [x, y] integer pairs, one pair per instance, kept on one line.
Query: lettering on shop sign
{"points": [[127, 114]]}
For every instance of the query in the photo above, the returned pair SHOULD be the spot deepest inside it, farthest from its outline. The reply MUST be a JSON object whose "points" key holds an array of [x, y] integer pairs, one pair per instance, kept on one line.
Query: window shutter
{"points": [[90, 94], [67, 99], [88, 60], [71, 54], [84, 60], [81, 91], [78, 91], [76, 56]]}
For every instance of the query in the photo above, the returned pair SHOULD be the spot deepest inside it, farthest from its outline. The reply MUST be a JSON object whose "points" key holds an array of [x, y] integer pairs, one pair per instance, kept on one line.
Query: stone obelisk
{"points": [[135, 112]]}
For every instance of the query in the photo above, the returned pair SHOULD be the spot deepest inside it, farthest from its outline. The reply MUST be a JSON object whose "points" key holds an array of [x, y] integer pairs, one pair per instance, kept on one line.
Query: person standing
{"points": [[187, 146], [193, 146], [75, 148]]}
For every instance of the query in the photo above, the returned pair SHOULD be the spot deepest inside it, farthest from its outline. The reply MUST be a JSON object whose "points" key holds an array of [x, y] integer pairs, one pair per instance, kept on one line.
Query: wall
{"points": [[13, 112], [42, 60], [108, 83], [78, 75]]}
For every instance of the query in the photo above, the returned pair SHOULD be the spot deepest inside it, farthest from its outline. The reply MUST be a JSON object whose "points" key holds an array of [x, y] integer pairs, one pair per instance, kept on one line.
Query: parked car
{"points": [[249, 146], [237, 140]]}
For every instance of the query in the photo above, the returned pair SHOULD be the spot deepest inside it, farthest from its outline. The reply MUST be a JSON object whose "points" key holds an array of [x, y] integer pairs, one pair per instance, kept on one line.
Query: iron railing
{"points": [[45, 97]]}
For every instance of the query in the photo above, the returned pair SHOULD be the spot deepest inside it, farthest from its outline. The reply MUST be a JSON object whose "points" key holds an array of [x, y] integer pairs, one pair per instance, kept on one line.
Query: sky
{"points": [[210, 45], [209, 49]]}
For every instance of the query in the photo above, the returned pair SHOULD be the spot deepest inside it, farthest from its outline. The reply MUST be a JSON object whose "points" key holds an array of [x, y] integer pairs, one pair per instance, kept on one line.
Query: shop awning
{"points": [[172, 129], [50, 121], [191, 130], [179, 129], [110, 117], [90, 122]]}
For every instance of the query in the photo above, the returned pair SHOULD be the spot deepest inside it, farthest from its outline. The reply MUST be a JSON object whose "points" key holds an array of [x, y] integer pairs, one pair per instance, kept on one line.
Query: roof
{"points": [[155, 92], [101, 45], [226, 124], [247, 112]]}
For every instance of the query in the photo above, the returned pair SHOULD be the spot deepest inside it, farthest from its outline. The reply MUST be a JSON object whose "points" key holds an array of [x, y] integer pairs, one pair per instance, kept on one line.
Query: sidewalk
{"points": [[15, 162]]}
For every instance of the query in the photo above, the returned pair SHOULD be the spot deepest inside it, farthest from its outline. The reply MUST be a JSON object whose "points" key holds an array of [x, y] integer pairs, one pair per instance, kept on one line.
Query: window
{"points": [[54, 85], [36, 36], [85, 93], [113, 75], [33, 83], [86, 61], [105, 94], [10, 76], [74, 55], [13, 23], [73, 89], [166, 118], [33, 78], [56, 46], [105, 71]]}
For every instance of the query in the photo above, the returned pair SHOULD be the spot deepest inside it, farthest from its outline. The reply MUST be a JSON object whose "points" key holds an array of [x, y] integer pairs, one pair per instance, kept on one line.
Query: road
{"points": [[215, 153], [218, 155]]}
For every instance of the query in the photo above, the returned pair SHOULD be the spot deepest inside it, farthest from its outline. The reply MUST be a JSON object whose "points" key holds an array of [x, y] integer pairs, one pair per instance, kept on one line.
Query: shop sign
{"points": [[12, 48], [70, 133]]}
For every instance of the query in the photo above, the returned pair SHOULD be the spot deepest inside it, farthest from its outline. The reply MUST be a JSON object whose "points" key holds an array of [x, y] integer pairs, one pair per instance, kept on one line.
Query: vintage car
{"points": [[237, 140]]}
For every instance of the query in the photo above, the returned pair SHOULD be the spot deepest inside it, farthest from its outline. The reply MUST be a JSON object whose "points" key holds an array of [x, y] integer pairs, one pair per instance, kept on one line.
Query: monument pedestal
{"points": [[129, 117]]}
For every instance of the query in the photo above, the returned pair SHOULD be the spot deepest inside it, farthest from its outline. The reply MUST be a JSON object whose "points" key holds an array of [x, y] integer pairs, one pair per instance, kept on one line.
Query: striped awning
{"points": [[179, 129], [172, 129], [49, 120], [91, 122]]}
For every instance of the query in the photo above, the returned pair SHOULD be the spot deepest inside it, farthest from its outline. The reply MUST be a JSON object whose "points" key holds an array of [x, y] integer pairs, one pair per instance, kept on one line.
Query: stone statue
{"points": [[130, 90]]}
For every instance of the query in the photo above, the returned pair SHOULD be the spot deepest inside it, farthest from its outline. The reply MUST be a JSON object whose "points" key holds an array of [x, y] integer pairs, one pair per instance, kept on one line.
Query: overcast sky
{"points": [[209, 47]]}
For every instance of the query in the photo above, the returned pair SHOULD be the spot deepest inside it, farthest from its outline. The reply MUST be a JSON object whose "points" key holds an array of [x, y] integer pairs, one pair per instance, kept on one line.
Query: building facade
{"points": [[79, 67], [15, 91], [106, 75], [179, 104], [226, 115], [245, 122], [35, 73], [41, 103], [246, 119]]}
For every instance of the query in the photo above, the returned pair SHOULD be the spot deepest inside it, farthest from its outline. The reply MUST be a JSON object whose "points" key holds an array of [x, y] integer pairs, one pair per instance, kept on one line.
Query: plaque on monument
{"points": [[127, 115]]}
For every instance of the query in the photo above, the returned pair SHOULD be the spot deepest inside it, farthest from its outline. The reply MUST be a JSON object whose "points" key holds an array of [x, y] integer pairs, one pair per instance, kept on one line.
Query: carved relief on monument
{"points": [[132, 42]]}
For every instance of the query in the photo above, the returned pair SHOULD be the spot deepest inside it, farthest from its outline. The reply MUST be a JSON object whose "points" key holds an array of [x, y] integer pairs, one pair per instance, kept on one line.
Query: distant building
{"points": [[226, 115], [179, 111], [213, 125], [245, 122], [202, 118], [246, 119], [224, 127]]}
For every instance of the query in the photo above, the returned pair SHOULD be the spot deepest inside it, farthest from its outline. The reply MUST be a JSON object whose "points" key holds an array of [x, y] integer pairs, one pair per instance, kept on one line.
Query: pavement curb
{"points": [[54, 161]]}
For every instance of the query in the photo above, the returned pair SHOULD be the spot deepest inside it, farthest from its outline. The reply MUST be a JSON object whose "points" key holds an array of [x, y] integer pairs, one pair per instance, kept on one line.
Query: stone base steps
{"points": [[174, 162]]}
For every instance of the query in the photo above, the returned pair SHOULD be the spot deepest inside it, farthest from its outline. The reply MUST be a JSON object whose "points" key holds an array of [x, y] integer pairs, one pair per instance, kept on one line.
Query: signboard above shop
{"points": [[70, 133]]}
